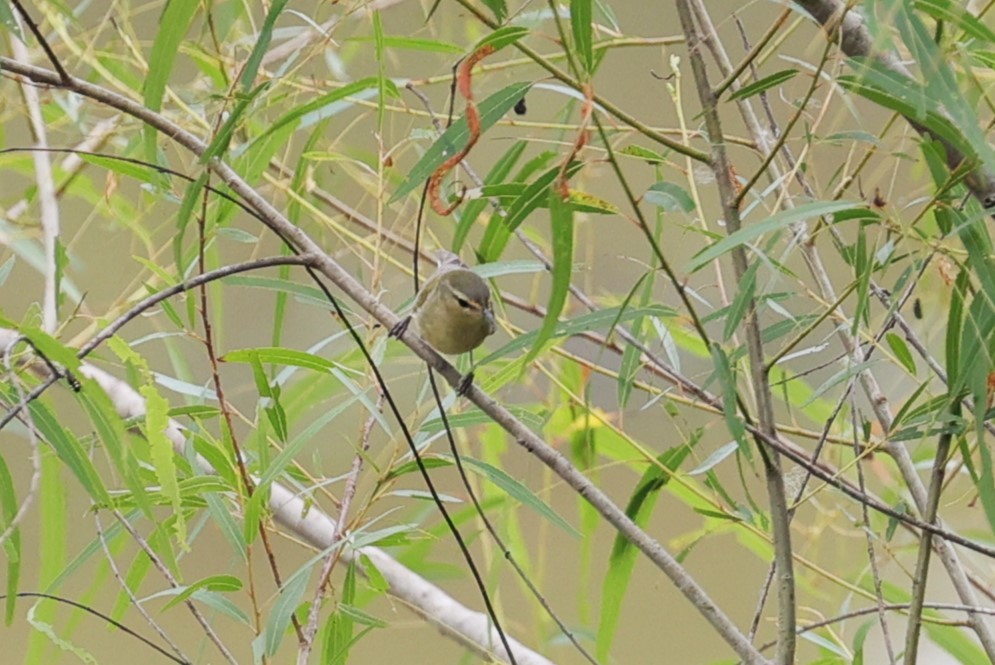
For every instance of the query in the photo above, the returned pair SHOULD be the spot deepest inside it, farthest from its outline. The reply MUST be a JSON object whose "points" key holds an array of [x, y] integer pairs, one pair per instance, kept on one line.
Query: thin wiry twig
{"points": [[869, 540], [174, 583], [126, 588], [117, 624]]}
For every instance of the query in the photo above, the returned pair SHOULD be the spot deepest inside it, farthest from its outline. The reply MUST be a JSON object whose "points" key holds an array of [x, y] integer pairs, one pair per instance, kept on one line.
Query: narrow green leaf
{"points": [[975, 358], [863, 268], [325, 100], [670, 197], [456, 136], [130, 170], [907, 409], [500, 228], [941, 84], [583, 323], [388, 536], [12, 544], [414, 44], [900, 508], [581, 20], [715, 458], [305, 294], [498, 173], [475, 416], [859, 638], [161, 453], [251, 162], [584, 202], [279, 618], [726, 376], [498, 7], [501, 37], [222, 139], [900, 94], [745, 290], [412, 467], [954, 641], [53, 543], [280, 356], [517, 491], [767, 82], [843, 375], [279, 463], [753, 230], [6, 268], [269, 398], [983, 58], [70, 451], [212, 583], [650, 156], [955, 322], [378, 51], [985, 484], [261, 45], [173, 25], [562, 227], [53, 349], [227, 525], [631, 355], [191, 196], [222, 605], [901, 351], [955, 14], [338, 632], [8, 21], [47, 629], [622, 560], [111, 430]]}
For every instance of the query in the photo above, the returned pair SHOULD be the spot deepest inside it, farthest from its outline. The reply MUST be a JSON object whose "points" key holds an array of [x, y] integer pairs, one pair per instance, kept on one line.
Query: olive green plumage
{"points": [[453, 311]]}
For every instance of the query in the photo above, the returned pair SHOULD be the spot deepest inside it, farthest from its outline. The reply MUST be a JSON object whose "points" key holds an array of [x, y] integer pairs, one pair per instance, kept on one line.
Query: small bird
{"points": [[452, 311]]}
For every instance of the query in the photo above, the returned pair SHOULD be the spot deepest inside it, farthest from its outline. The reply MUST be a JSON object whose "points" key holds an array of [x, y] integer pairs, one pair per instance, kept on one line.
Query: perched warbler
{"points": [[452, 311]]}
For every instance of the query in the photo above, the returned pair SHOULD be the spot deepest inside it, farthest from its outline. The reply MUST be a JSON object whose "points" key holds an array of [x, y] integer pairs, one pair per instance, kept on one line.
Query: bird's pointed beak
{"points": [[489, 317]]}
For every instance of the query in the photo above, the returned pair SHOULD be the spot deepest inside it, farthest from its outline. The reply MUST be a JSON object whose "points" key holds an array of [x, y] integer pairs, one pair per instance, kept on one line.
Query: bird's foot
{"points": [[399, 327], [464, 384]]}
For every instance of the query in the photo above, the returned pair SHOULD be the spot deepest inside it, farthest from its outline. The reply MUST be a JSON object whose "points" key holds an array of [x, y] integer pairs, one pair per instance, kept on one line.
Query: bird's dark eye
{"points": [[464, 303]]}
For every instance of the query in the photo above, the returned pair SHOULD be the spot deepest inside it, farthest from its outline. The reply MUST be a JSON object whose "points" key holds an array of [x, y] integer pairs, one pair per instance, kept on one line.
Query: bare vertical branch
{"points": [[47, 199], [777, 497]]}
